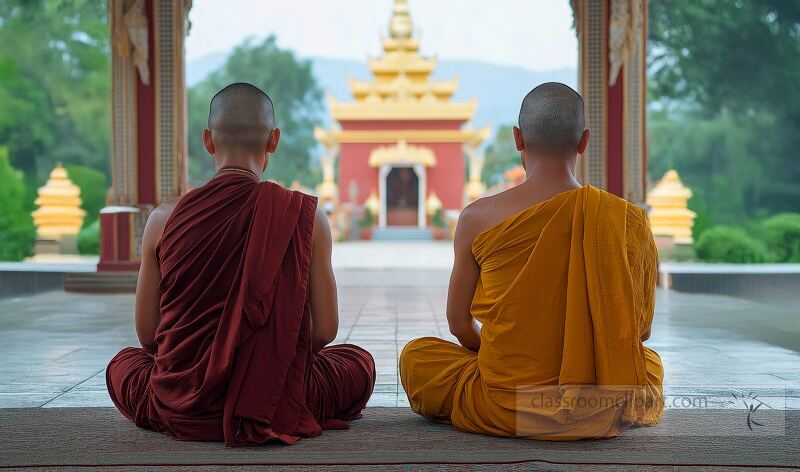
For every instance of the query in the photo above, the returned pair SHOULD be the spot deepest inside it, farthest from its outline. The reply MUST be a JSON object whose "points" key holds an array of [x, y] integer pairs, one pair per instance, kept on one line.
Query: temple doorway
{"points": [[402, 197]]}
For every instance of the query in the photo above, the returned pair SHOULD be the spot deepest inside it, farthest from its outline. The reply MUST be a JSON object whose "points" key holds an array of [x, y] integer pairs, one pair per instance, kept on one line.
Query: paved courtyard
{"points": [[54, 346]]}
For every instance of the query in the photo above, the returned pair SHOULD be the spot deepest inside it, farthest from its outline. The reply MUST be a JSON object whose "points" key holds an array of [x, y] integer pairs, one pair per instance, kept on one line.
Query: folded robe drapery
{"points": [[565, 295], [234, 360]]}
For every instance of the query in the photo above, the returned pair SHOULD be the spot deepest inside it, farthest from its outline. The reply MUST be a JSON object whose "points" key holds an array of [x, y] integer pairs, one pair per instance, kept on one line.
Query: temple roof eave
{"points": [[387, 110], [441, 90]]}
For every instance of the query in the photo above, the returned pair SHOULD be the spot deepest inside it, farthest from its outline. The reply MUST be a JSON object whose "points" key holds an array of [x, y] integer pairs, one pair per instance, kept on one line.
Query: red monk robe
{"points": [[234, 360]]}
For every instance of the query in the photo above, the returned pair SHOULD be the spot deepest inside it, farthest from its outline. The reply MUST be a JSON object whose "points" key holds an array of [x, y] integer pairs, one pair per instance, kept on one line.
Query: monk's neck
{"points": [[250, 164], [558, 171]]}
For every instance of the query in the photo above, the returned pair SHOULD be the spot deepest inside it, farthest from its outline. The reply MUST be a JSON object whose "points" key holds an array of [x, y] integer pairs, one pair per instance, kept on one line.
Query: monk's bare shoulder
{"points": [[477, 217], [486, 212], [157, 221], [322, 229]]}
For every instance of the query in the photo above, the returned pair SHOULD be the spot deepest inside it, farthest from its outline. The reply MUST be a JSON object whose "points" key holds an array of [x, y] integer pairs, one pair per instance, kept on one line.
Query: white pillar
{"points": [[419, 169], [383, 173]]}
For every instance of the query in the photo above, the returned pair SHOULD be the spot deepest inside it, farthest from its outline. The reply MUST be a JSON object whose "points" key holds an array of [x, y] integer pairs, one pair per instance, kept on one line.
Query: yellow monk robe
{"points": [[565, 295]]}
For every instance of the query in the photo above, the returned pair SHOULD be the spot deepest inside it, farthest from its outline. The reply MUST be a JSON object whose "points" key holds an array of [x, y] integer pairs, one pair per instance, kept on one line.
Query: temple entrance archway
{"points": [[404, 196]]}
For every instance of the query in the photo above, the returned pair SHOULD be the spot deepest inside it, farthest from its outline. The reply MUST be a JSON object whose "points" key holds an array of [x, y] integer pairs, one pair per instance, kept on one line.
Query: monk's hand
{"points": [[469, 336]]}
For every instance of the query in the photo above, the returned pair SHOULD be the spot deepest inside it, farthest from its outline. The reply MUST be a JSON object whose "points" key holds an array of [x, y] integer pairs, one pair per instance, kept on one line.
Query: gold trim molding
{"points": [[402, 153], [469, 137]]}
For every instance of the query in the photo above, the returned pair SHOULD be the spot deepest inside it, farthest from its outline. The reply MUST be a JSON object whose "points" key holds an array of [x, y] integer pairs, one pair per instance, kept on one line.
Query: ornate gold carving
{"points": [[135, 21], [475, 187], [327, 190], [402, 153], [627, 17]]}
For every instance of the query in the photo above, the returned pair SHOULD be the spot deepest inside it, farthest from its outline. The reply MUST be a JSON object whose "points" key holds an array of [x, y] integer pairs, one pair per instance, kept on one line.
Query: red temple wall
{"points": [[354, 167], [448, 177]]}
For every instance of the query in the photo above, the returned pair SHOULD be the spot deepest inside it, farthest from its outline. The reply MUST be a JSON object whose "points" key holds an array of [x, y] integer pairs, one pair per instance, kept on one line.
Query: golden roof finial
{"points": [[400, 26]]}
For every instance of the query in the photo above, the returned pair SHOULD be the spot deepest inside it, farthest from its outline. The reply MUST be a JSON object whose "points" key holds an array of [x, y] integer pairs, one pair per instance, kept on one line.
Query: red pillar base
{"points": [[119, 246]]}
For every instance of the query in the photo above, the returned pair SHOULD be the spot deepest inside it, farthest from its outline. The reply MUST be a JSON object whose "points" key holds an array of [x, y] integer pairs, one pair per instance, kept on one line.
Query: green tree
{"points": [[501, 155], [54, 84], [17, 232], [725, 106], [294, 91], [714, 158]]}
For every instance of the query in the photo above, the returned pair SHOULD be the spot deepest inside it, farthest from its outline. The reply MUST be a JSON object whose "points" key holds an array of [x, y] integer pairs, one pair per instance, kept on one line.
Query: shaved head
{"points": [[551, 120], [241, 118]]}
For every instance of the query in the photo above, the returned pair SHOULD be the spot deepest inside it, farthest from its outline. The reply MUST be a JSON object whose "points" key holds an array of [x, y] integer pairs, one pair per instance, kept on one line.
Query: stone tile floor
{"points": [[54, 346]]}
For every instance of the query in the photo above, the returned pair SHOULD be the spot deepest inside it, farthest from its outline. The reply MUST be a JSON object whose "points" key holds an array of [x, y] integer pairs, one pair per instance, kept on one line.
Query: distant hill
{"points": [[499, 89]]}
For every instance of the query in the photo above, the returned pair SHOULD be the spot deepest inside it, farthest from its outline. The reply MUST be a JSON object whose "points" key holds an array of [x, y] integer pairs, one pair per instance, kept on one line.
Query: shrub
{"points": [[93, 187], [727, 244], [437, 220], [781, 233], [89, 239], [367, 220], [17, 233]]}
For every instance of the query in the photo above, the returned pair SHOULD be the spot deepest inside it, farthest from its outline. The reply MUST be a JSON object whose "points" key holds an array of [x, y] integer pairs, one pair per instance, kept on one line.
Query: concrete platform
{"points": [[752, 281]]}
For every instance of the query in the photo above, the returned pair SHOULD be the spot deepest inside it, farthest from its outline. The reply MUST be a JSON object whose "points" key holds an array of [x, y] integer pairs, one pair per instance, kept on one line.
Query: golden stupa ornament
{"points": [[433, 204], [400, 26], [59, 214], [669, 213], [373, 204]]}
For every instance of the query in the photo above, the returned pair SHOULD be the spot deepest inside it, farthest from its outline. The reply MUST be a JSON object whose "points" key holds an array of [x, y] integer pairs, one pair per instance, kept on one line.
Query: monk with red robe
{"points": [[236, 301]]}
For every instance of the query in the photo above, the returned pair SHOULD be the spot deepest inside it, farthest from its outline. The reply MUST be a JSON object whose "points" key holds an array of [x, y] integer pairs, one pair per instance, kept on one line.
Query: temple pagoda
{"points": [[669, 214], [59, 217], [402, 136]]}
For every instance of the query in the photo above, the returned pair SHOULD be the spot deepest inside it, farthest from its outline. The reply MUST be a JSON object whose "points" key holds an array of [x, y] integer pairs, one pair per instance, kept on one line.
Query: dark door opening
{"points": [[402, 197]]}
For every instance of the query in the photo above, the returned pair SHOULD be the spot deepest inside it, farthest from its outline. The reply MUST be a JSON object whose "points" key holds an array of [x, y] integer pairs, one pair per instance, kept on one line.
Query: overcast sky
{"points": [[536, 34]]}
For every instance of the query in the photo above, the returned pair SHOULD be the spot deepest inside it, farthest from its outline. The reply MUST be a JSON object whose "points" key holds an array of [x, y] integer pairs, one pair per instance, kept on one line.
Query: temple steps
{"points": [[402, 233]]}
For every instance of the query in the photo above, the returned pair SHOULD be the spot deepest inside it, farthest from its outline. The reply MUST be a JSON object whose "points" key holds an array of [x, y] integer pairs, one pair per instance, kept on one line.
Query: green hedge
{"points": [[727, 244], [89, 239], [781, 233], [93, 185]]}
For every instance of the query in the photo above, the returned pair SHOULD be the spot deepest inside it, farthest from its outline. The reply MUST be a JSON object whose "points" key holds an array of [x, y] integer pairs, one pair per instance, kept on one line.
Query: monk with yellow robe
{"points": [[561, 278]]}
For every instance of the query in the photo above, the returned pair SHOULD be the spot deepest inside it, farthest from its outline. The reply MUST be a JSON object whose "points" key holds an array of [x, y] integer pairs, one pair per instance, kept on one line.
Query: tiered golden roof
{"points": [[669, 214], [401, 87], [59, 202]]}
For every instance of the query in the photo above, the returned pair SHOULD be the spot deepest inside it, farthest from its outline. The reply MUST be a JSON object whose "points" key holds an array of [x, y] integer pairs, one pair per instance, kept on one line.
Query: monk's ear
{"points": [[518, 139], [272, 141], [208, 143], [584, 141]]}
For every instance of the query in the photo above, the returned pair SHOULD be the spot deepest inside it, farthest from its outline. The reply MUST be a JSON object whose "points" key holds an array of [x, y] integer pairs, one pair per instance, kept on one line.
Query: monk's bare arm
{"points": [[148, 297], [463, 281], [324, 305]]}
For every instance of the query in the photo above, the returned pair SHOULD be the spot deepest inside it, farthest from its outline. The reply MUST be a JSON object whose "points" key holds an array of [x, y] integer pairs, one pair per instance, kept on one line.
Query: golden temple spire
{"points": [[400, 25], [59, 202], [669, 214]]}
